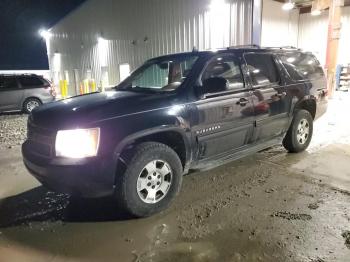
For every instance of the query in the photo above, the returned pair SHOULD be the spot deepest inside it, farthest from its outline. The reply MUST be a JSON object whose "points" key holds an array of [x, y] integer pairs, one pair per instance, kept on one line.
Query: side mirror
{"points": [[214, 85]]}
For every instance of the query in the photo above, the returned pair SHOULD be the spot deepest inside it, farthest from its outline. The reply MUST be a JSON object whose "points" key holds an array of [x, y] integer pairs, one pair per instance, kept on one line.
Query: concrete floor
{"points": [[271, 206]]}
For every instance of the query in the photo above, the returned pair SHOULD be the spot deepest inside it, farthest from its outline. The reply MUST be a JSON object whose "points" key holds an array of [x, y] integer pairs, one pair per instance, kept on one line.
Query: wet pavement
{"points": [[271, 206]]}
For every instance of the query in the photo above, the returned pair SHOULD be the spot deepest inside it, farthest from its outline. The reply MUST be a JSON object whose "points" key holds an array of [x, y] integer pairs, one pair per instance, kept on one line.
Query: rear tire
{"points": [[299, 133], [151, 181], [31, 103]]}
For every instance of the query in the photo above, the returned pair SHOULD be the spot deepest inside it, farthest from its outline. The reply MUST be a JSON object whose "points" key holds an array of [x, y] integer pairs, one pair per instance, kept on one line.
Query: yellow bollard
{"points": [[81, 89], [62, 88], [92, 85], [65, 87], [86, 86]]}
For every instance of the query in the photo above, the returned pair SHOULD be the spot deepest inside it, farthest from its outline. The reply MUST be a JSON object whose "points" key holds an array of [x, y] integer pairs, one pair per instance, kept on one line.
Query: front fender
{"points": [[138, 135]]}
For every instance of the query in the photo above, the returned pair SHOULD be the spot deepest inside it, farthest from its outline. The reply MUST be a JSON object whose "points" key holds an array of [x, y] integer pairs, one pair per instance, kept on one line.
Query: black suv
{"points": [[175, 113]]}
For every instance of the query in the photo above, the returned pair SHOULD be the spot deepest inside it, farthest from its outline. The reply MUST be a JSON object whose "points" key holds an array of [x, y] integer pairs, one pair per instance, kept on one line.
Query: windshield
{"points": [[164, 74]]}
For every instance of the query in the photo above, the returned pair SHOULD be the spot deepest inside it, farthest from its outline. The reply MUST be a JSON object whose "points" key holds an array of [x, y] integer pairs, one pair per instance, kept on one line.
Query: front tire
{"points": [[299, 133], [152, 179]]}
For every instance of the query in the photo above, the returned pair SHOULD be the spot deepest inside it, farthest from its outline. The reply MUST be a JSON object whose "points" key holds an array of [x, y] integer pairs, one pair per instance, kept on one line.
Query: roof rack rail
{"points": [[18, 74], [282, 47], [244, 46]]}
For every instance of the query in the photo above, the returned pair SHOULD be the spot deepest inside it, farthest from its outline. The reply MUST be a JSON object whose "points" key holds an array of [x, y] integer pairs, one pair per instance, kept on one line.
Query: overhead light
{"points": [[217, 4], [291, 59], [45, 33], [288, 6], [315, 12], [316, 8], [100, 39], [102, 47]]}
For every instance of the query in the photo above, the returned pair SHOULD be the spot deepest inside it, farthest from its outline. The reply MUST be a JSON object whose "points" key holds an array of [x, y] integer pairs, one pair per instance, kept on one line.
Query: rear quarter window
{"points": [[301, 66], [262, 69], [31, 81]]}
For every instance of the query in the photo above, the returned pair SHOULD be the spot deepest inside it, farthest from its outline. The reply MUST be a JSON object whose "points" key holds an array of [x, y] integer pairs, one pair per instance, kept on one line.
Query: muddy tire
{"points": [[151, 180], [299, 133], [30, 103]]}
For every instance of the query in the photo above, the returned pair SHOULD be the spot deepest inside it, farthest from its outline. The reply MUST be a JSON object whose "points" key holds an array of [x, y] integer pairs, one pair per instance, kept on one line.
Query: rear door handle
{"points": [[242, 101]]}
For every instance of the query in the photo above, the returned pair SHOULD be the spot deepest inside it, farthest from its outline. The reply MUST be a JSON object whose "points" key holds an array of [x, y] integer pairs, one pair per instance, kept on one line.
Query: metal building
{"points": [[104, 39]]}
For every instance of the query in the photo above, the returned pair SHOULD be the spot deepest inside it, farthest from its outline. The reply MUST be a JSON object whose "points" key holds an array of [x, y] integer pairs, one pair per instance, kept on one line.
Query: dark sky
{"points": [[20, 45]]}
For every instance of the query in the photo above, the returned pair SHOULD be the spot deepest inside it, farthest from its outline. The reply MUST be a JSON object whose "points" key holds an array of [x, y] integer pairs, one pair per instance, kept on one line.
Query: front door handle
{"points": [[242, 101]]}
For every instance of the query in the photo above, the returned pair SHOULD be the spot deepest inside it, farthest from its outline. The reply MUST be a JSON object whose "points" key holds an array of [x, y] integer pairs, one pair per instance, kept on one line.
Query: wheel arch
{"points": [[309, 104], [174, 137]]}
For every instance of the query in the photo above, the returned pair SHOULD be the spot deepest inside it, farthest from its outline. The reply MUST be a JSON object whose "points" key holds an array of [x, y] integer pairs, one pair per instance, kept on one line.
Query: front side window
{"points": [[262, 69], [226, 67], [164, 74], [8, 82], [301, 66]]}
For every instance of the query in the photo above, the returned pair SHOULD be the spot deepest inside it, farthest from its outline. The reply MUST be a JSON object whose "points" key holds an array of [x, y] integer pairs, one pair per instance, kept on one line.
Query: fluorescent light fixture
{"points": [[101, 40], [216, 4], [315, 12], [102, 46], [288, 6], [291, 59], [77, 143], [45, 33]]}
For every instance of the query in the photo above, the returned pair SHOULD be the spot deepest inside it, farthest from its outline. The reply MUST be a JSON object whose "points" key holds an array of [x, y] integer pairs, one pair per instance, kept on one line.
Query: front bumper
{"points": [[88, 177]]}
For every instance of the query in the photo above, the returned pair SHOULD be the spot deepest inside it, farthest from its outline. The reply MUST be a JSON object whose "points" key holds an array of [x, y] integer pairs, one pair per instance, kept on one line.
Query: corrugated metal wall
{"points": [[279, 28], [135, 30], [313, 32]]}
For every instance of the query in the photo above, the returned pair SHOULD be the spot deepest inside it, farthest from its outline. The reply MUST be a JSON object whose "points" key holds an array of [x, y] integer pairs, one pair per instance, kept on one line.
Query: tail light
{"points": [[53, 90], [325, 92]]}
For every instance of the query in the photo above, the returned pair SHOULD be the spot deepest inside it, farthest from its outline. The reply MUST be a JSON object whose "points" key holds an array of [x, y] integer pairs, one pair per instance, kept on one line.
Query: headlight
{"points": [[77, 143]]}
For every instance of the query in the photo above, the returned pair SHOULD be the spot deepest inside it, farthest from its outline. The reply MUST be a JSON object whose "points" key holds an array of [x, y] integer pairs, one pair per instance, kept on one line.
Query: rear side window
{"points": [[262, 69], [301, 66], [30, 81], [8, 82]]}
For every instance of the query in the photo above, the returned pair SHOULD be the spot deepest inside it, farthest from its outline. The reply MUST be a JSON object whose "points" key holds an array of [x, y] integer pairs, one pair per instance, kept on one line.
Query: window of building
{"points": [[262, 69], [124, 71]]}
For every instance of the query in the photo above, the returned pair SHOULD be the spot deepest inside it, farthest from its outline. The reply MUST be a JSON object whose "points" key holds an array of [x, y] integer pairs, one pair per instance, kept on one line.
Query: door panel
{"points": [[224, 124], [271, 105], [224, 121], [10, 94], [271, 110]]}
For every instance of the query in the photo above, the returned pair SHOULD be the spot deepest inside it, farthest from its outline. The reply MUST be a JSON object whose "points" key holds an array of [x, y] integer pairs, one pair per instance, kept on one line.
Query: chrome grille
{"points": [[41, 140]]}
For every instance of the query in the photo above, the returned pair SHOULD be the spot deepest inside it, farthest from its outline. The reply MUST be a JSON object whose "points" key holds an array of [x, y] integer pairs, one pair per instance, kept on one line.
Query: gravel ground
{"points": [[13, 129]]}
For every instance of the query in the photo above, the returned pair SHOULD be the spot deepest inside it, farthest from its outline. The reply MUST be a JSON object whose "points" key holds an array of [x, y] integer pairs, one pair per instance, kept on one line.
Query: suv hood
{"points": [[82, 110]]}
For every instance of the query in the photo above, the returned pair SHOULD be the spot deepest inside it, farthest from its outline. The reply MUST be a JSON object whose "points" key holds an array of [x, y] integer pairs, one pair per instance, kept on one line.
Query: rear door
{"points": [[224, 121], [10, 94], [33, 85], [271, 105]]}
